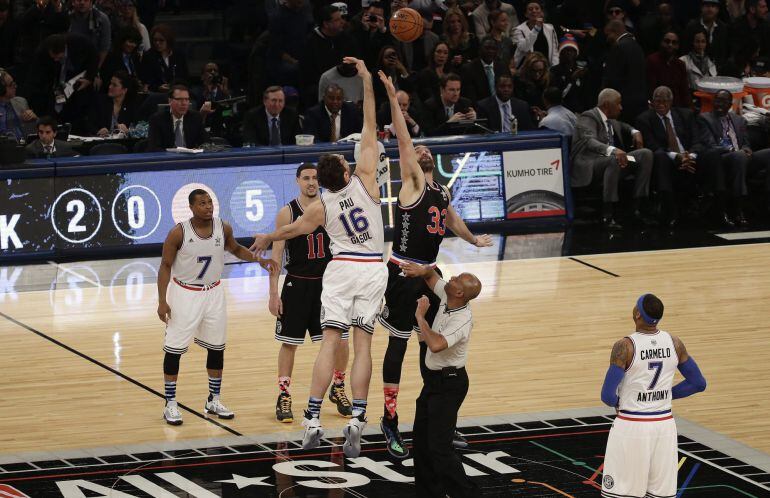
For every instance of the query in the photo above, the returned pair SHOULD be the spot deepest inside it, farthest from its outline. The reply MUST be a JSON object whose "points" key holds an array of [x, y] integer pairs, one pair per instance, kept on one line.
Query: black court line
{"points": [[116, 372], [594, 267]]}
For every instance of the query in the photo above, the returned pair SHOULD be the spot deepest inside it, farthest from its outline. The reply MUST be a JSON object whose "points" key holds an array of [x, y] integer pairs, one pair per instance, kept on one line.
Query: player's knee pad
{"points": [[171, 363], [394, 358], [215, 359]]}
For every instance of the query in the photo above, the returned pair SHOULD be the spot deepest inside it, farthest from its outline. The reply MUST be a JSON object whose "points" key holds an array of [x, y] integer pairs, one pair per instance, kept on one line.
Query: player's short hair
{"points": [[302, 167], [195, 193], [653, 306], [446, 78], [331, 172]]}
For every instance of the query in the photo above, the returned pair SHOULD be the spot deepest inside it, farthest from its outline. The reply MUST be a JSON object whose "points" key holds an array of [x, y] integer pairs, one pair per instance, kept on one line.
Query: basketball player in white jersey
{"points": [[641, 456], [355, 279], [191, 301]]}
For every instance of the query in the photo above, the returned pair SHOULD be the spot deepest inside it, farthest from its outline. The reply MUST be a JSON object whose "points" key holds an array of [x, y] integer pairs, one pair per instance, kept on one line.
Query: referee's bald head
{"points": [[468, 286]]}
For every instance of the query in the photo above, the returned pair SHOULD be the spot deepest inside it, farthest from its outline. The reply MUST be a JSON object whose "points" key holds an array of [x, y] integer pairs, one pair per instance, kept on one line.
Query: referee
{"points": [[438, 469]]}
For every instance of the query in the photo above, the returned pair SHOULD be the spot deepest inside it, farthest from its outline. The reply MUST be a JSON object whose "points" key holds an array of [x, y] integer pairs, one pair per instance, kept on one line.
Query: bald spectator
{"points": [[333, 118], [385, 119]]}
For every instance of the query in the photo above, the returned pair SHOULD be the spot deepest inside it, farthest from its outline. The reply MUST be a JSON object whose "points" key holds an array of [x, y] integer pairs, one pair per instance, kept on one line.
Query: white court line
{"points": [[744, 235], [81, 277]]}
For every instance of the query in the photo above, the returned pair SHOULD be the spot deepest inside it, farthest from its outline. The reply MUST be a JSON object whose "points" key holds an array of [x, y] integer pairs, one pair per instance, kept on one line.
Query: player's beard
{"points": [[426, 164]]}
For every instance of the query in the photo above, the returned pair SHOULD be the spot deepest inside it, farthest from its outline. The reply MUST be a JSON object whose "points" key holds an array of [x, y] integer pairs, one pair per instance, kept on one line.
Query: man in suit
{"points": [[332, 119], [479, 74], [448, 108], [624, 69], [272, 123], [46, 146], [668, 132], [16, 118], [723, 143], [599, 149], [181, 127], [499, 109], [384, 117]]}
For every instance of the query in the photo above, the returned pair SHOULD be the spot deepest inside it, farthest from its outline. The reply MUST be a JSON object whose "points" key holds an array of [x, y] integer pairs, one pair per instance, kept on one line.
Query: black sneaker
{"points": [[283, 408], [338, 397], [459, 441], [395, 443]]}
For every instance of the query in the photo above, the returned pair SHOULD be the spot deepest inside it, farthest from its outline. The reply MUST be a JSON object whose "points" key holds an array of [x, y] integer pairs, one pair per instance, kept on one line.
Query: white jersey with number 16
{"points": [[354, 222]]}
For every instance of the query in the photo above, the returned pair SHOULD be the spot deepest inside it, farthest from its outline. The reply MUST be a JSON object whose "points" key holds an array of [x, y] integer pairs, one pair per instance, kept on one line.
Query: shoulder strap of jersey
{"points": [[633, 353]]}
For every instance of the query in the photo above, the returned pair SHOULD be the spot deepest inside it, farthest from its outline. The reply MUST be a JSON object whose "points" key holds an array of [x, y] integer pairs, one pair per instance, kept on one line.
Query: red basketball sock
{"points": [[283, 384], [391, 400], [339, 377]]}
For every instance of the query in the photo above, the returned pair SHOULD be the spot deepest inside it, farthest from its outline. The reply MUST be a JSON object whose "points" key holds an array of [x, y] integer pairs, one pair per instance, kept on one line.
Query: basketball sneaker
{"points": [[395, 442], [215, 407], [283, 408], [458, 440], [338, 397], [352, 433], [172, 415], [313, 431]]}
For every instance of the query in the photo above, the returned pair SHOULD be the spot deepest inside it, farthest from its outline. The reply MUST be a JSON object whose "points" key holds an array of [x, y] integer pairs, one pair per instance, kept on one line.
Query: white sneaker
{"points": [[313, 431], [172, 415], [214, 406], [352, 433]]}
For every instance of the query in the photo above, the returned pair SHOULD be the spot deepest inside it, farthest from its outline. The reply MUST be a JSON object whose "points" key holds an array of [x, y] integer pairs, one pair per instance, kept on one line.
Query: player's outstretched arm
{"points": [[314, 217], [411, 174], [693, 382], [240, 252], [455, 223], [435, 341], [170, 247], [620, 358], [366, 168], [274, 304], [426, 272]]}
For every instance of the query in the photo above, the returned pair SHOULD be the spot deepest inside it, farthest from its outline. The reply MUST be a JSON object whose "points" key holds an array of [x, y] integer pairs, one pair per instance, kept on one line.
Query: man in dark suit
{"points": [[499, 109], [181, 127], [272, 123], [46, 146], [723, 143], [384, 118], [448, 108], [669, 133], [345, 116], [480, 74], [599, 149], [624, 69]]}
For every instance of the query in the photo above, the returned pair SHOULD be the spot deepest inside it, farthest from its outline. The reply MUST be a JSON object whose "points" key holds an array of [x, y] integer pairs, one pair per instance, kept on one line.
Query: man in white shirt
{"points": [[438, 469], [558, 117]]}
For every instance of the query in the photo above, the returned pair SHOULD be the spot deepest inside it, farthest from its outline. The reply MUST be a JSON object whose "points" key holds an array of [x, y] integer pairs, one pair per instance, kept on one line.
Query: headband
{"points": [[640, 306]]}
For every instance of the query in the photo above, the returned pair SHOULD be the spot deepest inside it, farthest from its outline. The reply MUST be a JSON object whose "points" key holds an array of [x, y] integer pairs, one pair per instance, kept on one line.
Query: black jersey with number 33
{"points": [[306, 255], [420, 227]]}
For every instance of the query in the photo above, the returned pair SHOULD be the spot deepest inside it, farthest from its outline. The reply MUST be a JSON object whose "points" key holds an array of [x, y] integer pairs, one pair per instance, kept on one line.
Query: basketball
{"points": [[406, 24]]}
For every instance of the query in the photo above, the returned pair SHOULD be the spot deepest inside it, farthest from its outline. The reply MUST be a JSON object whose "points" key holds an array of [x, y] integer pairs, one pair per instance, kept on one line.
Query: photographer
{"points": [[213, 88], [370, 32]]}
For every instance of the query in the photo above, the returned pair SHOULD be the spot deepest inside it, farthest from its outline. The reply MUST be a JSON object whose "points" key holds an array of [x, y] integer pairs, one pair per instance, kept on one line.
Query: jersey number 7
{"points": [[657, 366], [206, 260]]}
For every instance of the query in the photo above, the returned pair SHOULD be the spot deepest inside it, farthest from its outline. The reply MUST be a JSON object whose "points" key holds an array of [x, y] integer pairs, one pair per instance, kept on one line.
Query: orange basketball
{"points": [[406, 24]]}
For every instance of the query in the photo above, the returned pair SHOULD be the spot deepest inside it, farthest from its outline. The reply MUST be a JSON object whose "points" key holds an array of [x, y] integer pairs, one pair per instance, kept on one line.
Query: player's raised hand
{"points": [[388, 82], [360, 66], [275, 305], [422, 306], [260, 245], [413, 269], [164, 312], [483, 240]]}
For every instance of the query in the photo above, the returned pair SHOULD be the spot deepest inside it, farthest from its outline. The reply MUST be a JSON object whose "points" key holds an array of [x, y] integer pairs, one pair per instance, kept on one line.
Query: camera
{"points": [[216, 79], [371, 18]]}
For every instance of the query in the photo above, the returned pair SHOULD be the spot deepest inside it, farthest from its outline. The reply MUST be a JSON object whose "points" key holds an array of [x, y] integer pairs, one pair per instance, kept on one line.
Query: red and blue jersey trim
{"points": [[360, 257], [399, 259], [645, 416]]}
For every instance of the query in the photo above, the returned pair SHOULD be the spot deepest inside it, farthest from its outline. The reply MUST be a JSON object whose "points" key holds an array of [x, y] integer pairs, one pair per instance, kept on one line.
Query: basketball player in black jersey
{"points": [[423, 214], [298, 308]]}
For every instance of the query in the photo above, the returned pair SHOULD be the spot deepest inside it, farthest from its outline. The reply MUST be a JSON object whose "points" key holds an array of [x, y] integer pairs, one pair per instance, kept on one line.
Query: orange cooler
{"points": [[759, 89]]}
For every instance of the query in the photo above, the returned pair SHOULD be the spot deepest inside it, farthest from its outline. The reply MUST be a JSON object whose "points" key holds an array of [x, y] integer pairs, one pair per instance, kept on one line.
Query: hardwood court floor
{"points": [[542, 338]]}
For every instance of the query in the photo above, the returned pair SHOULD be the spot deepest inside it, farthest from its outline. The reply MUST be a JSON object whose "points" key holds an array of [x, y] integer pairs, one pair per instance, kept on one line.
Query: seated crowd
{"points": [[618, 77]]}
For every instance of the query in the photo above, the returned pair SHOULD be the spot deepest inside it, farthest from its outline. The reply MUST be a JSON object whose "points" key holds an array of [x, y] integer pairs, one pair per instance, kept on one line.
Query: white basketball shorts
{"points": [[195, 313], [641, 460], [352, 294]]}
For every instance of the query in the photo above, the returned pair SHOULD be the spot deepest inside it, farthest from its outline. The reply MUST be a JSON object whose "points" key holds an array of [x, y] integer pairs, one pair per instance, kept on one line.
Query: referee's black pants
{"points": [[438, 468]]}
